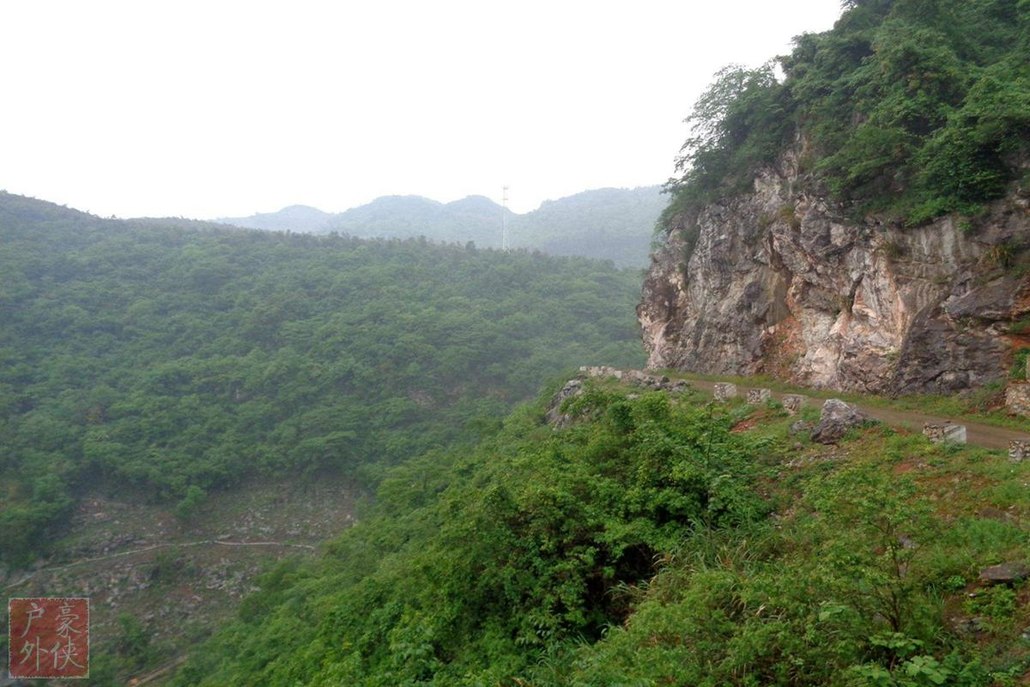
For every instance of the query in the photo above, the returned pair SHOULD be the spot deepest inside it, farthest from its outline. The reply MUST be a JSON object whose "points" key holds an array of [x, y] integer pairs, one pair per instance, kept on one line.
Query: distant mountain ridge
{"points": [[608, 224], [294, 217]]}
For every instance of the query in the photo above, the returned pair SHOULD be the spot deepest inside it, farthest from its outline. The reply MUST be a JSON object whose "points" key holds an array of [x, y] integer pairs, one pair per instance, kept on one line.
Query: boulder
{"points": [[724, 391], [1017, 398], [793, 403], [1006, 573], [601, 371], [836, 419], [799, 427], [758, 396], [945, 432]]}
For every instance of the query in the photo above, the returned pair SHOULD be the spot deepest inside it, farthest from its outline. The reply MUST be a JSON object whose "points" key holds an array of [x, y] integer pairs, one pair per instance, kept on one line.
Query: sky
{"points": [[220, 108]]}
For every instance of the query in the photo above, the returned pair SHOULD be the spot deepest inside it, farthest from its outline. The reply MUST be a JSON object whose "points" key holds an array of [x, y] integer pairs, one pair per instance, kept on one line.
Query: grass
{"points": [[978, 500]]}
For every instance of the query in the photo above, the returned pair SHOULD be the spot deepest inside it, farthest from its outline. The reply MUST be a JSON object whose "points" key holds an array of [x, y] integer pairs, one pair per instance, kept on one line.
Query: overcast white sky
{"points": [[216, 108]]}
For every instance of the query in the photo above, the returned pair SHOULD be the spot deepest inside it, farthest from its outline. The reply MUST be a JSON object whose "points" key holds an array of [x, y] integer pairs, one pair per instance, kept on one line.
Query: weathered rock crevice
{"points": [[781, 281]]}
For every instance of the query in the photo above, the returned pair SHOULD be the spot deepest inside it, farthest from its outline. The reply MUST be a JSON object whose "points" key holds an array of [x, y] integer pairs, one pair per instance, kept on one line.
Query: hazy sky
{"points": [[216, 108]]}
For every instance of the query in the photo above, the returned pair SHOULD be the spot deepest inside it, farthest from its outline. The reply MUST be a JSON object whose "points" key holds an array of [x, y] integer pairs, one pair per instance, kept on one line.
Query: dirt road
{"points": [[977, 434]]}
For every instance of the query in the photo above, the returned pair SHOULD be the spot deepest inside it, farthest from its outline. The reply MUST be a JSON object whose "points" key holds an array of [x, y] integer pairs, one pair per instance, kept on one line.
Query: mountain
{"points": [[475, 219], [861, 224], [302, 218], [606, 224], [399, 334], [158, 375]]}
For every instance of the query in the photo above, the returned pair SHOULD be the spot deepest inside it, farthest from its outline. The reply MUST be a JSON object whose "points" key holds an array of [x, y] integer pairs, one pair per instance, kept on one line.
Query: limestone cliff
{"points": [[778, 281]]}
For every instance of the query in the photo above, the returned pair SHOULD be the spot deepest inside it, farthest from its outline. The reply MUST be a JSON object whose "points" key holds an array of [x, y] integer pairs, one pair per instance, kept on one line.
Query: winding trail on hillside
{"points": [[977, 434], [155, 547], [157, 673]]}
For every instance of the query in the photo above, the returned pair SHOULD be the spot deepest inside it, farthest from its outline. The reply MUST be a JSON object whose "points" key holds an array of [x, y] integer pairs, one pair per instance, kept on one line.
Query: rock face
{"points": [[778, 281]]}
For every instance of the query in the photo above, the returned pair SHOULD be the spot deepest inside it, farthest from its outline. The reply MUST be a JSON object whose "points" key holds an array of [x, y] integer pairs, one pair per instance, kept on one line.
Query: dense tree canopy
{"points": [[156, 358], [917, 107]]}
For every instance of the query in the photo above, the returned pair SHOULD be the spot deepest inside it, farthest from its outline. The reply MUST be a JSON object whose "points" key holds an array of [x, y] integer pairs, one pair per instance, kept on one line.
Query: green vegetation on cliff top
{"points": [[912, 107]]}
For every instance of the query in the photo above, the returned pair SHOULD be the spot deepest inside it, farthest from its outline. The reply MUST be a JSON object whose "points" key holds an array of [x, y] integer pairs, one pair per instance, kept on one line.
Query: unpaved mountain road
{"points": [[977, 434]]}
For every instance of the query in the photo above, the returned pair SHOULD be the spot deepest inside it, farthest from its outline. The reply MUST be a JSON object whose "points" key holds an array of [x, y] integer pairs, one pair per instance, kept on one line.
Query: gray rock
{"points": [[1006, 573], [555, 417], [800, 427], [971, 626], [758, 396], [793, 403], [836, 419], [1017, 398], [601, 371], [724, 391], [944, 432]]}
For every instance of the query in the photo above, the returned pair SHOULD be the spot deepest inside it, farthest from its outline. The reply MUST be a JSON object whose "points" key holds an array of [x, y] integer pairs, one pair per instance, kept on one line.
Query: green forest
{"points": [[659, 540], [177, 360], [914, 108]]}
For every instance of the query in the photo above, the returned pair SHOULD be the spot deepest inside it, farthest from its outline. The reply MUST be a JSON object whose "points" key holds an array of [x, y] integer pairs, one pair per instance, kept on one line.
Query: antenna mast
{"points": [[504, 218]]}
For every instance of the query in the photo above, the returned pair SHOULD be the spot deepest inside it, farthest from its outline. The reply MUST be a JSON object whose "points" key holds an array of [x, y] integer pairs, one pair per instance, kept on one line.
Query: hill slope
{"points": [[657, 539], [174, 395], [177, 361]]}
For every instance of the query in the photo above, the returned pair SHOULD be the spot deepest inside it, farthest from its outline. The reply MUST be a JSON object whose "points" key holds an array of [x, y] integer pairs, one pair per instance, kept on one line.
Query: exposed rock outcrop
{"points": [[778, 281], [555, 415]]}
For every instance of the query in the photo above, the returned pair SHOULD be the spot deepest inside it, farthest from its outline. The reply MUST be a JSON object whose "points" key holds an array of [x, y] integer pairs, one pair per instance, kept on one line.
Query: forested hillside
{"points": [[915, 108], [174, 361], [659, 539], [608, 223]]}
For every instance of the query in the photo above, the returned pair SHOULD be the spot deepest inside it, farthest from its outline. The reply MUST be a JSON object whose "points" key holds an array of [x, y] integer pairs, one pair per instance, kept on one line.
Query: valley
{"points": [[311, 448]]}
